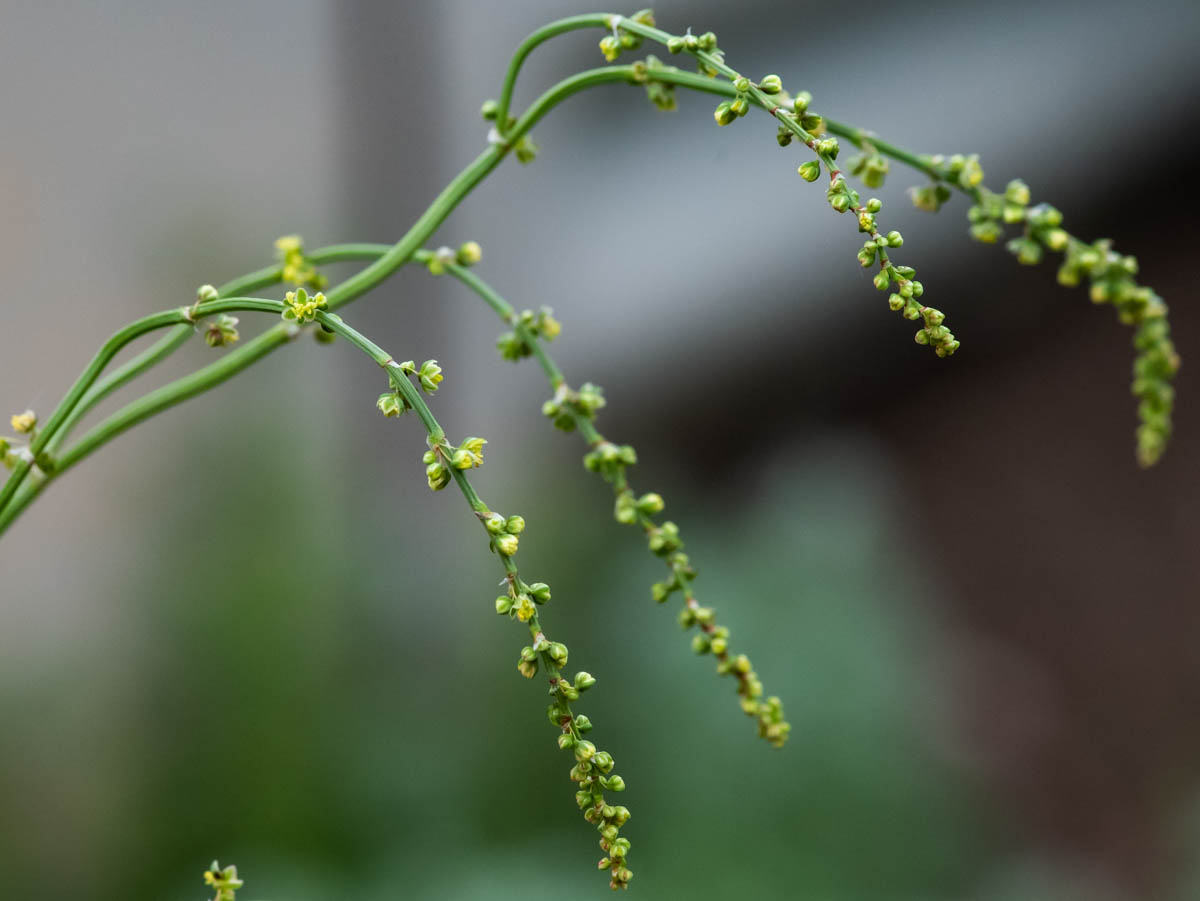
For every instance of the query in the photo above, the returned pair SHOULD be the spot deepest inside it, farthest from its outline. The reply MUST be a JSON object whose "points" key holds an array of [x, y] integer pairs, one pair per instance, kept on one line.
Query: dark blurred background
{"points": [[247, 630]]}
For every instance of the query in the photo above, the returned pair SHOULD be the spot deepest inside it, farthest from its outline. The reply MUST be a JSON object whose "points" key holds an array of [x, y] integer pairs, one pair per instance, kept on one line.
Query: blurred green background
{"points": [[246, 630]]}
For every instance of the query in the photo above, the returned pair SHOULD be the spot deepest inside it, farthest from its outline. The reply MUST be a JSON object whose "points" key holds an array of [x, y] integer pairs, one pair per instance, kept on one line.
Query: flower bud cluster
{"points": [[568, 406], [297, 269], [542, 324], [905, 298], [621, 39], [442, 457], [870, 166], [302, 309], [965, 171], [1111, 279], [468, 254], [225, 881]]}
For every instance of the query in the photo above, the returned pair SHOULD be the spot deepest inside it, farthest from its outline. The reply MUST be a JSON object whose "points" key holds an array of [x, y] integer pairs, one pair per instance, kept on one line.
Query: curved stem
{"points": [[527, 46], [111, 347], [109, 350], [215, 373]]}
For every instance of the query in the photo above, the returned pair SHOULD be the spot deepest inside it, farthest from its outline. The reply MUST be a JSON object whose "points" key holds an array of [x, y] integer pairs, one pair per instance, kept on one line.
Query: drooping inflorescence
{"points": [[1111, 279], [593, 768], [570, 409], [33, 452]]}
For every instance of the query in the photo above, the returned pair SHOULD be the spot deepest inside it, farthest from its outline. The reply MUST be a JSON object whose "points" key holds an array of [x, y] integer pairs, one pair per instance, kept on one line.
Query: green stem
{"points": [[110, 349], [543, 34]]}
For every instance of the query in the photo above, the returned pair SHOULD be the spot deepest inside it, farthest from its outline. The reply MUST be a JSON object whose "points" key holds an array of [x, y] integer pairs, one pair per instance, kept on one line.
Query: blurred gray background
{"points": [[247, 630]]}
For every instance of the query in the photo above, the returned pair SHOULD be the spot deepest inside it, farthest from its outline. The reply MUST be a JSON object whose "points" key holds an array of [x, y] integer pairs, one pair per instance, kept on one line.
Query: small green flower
{"points": [[301, 308], [221, 331], [391, 404], [225, 881], [430, 376]]}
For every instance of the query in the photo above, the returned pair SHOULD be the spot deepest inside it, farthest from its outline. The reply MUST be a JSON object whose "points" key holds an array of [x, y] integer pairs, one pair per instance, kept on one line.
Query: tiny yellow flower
{"points": [[24, 423]]}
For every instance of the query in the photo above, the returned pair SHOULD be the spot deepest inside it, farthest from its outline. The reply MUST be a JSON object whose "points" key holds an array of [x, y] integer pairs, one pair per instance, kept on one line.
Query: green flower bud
{"points": [[810, 171], [469, 253], [565, 741], [724, 113], [610, 46], [740, 106], [558, 652], [503, 605], [614, 783], [582, 723], [584, 681], [205, 293], [1017, 192], [828, 147], [651, 503], [700, 643], [515, 524], [540, 592], [437, 475], [707, 41], [986, 232], [720, 645], [506, 545], [741, 84], [675, 45], [584, 750], [770, 84], [896, 303], [490, 110], [882, 281], [811, 122], [494, 523], [660, 591], [800, 102]]}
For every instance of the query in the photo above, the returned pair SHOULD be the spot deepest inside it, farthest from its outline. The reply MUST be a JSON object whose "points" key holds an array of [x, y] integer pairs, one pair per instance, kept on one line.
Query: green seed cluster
{"points": [[1112, 279]]}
